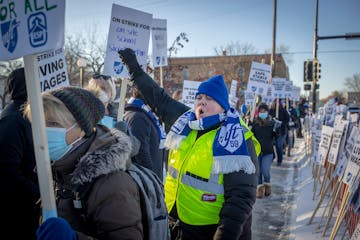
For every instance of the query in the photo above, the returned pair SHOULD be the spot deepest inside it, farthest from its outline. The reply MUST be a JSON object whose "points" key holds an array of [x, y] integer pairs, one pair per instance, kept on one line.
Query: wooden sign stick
{"points": [[341, 214], [332, 206]]}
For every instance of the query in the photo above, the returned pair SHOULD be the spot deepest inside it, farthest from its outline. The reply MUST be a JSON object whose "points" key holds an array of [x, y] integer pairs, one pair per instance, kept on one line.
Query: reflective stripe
{"points": [[247, 132], [211, 186], [173, 172]]}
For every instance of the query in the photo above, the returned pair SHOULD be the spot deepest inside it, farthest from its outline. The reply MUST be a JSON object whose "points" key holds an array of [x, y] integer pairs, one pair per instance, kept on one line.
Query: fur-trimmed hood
{"points": [[110, 151]]}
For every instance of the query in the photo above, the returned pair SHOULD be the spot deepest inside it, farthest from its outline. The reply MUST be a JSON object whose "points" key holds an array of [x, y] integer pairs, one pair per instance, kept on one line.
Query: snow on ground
{"points": [[286, 213]]}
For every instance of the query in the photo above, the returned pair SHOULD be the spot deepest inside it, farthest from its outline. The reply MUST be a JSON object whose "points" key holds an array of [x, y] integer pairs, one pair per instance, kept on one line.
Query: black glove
{"points": [[128, 57]]}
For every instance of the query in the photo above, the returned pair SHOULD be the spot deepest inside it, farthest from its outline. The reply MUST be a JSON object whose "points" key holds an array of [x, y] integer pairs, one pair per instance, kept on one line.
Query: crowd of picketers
{"points": [[216, 164]]}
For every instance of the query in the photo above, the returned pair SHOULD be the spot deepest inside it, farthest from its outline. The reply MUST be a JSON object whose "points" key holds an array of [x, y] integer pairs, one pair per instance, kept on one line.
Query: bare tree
{"points": [[235, 48], [339, 94], [353, 83], [178, 43], [90, 47], [6, 67], [284, 51]]}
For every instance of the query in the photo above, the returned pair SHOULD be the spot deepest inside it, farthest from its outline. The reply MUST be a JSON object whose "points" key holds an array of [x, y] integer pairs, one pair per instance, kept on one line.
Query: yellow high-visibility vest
{"points": [[190, 183]]}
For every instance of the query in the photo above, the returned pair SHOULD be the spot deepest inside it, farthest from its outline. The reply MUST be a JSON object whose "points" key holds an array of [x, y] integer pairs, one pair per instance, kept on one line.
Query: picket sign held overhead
{"points": [[28, 28], [259, 78], [159, 42], [268, 98], [249, 98], [159, 45], [129, 28], [232, 95], [189, 92], [52, 70], [295, 93], [288, 89]]}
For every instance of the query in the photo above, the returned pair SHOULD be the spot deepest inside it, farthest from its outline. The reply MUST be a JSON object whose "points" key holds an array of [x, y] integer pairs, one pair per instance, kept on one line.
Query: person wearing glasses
{"points": [[211, 180], [103, 86]]}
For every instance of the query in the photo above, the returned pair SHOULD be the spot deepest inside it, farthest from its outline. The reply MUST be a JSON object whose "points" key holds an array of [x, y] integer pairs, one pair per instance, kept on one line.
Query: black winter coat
{"points": [[18, 180], [239, 187], [265, 135], [145, 130]]}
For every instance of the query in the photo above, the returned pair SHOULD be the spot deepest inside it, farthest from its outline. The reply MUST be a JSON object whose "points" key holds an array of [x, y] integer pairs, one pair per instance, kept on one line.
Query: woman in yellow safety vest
{"points": [[211, 178]]}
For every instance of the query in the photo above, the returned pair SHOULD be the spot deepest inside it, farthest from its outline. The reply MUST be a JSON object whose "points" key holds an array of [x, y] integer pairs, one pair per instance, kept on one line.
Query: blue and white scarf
{"points": [[230, 153], [161, 131]]}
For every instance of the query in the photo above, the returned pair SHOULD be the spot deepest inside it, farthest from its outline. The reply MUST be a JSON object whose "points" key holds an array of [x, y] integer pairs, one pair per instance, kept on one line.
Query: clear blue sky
{"points": [[212, 24]]}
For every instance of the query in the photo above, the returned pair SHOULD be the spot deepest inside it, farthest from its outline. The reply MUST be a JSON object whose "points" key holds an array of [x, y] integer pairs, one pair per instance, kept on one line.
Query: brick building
{"points": [[201, 68]]}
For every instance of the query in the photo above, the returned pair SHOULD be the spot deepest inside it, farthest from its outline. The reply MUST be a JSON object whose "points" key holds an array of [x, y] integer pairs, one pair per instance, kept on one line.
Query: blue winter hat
{"points": [[215, 87]]}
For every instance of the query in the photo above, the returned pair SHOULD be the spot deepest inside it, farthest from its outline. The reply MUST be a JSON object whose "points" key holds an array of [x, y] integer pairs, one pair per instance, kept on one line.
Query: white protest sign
{"points": [[159, 42], [356, 233], [330, 108], [288, 89], [353, 166], [52, 70], [249, 98], [259, 78], [326, 134], [336, 141], [317, 139], [232, 95], [268, 98], [355, 131], [233, 88], [340, 167], [29, 27], [345, 155], [129, 28], [189, 92], [296, 93], [278, 87]]}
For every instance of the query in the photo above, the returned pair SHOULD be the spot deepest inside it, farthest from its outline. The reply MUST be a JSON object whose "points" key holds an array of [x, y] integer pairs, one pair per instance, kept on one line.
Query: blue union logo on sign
{"points": [[118, 67], [9, 34], [37, 29]]}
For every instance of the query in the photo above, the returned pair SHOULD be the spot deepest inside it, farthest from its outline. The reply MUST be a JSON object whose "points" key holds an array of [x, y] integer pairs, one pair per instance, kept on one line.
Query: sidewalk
{"points": [[286, 213]]}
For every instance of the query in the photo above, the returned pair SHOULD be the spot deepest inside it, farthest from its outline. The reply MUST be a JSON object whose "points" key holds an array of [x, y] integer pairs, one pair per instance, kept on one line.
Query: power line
{"points": [[329, 51]]}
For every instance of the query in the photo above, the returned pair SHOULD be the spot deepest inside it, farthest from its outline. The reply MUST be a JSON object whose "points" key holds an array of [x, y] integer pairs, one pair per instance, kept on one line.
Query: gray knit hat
{"points": [[86, 108]]}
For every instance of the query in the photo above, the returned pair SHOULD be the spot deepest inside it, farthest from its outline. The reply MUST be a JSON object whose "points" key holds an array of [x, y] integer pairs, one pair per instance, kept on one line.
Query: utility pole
{"points": [[315, 56], [347, 36], [272, 60]]}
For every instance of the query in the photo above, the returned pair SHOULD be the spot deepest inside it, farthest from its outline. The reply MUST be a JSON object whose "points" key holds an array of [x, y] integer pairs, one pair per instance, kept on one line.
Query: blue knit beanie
{"points": [[215, 87]]}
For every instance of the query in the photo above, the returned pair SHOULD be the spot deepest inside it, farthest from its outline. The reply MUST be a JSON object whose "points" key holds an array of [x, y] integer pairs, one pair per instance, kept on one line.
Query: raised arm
{"points": [[164, 106]]}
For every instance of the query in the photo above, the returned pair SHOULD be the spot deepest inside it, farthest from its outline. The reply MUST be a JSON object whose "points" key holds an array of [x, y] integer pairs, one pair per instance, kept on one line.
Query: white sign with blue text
{"points": [[129, 28], [279, 87], [189, 92], [159, 42], [259, 78], [29, 27]]}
